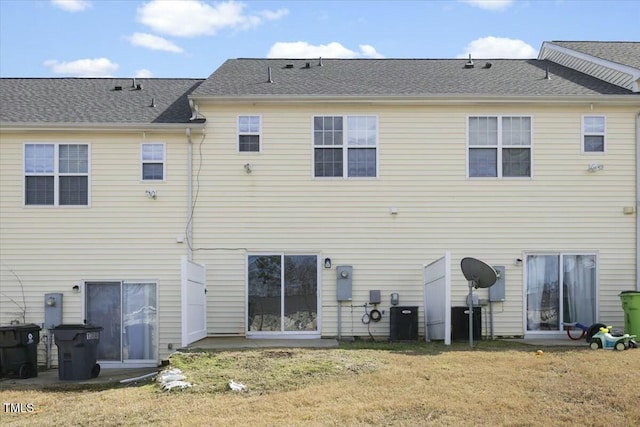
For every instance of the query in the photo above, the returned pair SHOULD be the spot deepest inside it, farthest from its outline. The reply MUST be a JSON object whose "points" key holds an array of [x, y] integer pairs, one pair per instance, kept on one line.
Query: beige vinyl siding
{"points": [[422, 155], [122, 235]]}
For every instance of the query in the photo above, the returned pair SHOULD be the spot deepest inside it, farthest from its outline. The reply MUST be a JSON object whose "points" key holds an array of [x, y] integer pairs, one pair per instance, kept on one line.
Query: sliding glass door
{"points": [[282, 294], [560, 288], [127, 313]]}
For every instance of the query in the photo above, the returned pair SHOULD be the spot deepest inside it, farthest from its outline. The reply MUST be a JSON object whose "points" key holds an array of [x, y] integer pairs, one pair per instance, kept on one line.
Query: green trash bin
{"points": [[631, 306], [19, 350]]}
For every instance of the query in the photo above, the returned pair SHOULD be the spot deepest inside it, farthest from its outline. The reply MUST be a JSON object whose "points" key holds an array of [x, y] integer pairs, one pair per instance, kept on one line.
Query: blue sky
{"points": [[191, 38]]}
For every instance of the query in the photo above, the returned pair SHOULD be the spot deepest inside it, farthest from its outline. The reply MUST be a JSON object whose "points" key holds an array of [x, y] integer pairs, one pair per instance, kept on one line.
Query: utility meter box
{"points": [[497, 291], [344, 275], [374, 296], [52, 310]]}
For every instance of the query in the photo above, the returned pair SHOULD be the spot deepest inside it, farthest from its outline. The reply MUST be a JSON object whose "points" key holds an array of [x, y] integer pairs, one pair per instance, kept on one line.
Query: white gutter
{"points": [[97, 127], [457, 99]]}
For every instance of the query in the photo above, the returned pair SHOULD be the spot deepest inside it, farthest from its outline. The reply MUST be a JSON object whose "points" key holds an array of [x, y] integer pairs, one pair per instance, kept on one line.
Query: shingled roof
{"points": [[95, 100], [399, 77]]}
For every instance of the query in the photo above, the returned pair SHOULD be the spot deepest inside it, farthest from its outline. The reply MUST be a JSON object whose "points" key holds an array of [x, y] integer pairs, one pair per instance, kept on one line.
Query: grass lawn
{"points": [[363, 384]]}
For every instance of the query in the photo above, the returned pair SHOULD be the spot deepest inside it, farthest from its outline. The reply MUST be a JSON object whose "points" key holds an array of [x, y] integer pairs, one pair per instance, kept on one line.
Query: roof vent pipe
{"points": [[153, 103], [133, 85], [469, 63], [547, 76], [269, 75], [320, 62]]}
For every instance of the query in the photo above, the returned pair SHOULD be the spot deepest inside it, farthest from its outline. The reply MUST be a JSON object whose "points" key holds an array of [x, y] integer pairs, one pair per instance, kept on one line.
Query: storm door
{"points": [[282, 295]]}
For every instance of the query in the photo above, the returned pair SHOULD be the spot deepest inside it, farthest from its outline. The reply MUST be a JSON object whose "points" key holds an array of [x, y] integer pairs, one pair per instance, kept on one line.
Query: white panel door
{"points": [[194, 301], [437, 299]]}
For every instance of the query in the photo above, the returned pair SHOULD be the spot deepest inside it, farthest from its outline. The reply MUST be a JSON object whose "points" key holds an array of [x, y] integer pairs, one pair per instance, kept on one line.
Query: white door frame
{"points": [[285, 334], [137, 363]]}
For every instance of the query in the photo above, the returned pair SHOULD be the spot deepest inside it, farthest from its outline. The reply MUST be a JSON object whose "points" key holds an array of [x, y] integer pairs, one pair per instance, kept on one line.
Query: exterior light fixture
{"points": [[327, 263], [594, 167]]}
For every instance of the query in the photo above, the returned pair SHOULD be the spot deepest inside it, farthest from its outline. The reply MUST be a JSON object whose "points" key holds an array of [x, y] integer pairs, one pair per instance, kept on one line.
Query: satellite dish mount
{"points": [[479, 274]]}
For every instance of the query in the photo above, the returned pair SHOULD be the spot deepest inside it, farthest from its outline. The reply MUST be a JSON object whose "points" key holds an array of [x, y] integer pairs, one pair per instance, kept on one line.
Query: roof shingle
{"points": [[399, 77], [95, 100]]}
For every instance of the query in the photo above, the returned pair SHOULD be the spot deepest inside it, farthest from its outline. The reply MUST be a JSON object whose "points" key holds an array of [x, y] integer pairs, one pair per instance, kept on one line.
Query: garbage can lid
{"points": [[29, 326], [76, 326], [629, 292]]}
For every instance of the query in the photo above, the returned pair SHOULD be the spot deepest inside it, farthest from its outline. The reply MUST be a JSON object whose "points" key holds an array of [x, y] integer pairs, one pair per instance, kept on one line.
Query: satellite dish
{"points": [[480, 275], [479, 272]]}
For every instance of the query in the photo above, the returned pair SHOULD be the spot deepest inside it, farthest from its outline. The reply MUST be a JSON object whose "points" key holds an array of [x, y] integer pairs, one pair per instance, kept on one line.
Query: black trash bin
{"points": [[19, 350], [77, 351]]}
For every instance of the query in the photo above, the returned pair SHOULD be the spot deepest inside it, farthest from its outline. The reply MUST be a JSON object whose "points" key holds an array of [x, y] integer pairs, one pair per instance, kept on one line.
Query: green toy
{"points": [[608, 341]]}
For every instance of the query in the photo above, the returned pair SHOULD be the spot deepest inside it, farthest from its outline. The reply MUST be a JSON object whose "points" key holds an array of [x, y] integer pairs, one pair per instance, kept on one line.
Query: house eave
{"points": [[100, 127], [631, 99], [634, 72]]}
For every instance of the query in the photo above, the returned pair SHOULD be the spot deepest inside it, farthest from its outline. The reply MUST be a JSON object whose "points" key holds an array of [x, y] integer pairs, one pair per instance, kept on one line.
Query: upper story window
{"points": [[345, 146], [56, 174], [249, 134], [499, 146], [153, 162], [593, 131]]}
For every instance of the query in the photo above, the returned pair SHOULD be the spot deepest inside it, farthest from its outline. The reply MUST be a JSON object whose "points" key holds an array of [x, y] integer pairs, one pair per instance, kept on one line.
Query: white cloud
{"points": [[271, 15], [190, 18], [331, 50], [98, 67], [72, 5], [152, 42], [143, 74], [490, 4], [369, 51], [498, 47]]}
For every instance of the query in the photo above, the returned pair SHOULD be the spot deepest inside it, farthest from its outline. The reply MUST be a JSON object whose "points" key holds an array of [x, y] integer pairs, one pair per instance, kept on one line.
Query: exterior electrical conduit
{"points": [[189, 194]]}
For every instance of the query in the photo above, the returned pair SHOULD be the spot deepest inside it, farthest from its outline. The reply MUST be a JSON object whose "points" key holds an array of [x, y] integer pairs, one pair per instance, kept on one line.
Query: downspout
{"points": [[637, 202], [189, 230]]}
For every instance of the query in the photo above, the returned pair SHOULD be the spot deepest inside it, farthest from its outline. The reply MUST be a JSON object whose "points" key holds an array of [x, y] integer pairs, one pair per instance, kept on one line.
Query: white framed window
{"points": [[345, 146], [249, 134], [499, 146], [560, 287], [152, 156], [593, 134], [56, 174]]}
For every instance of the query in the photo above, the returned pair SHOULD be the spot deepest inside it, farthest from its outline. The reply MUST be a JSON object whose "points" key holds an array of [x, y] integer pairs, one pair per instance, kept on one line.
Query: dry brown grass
{"points": [[371, 384]]}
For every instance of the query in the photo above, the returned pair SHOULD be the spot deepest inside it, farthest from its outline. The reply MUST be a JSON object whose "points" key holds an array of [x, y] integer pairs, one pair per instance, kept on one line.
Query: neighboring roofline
{"points": [[100, 127], [457, 99], [633, 72]]}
